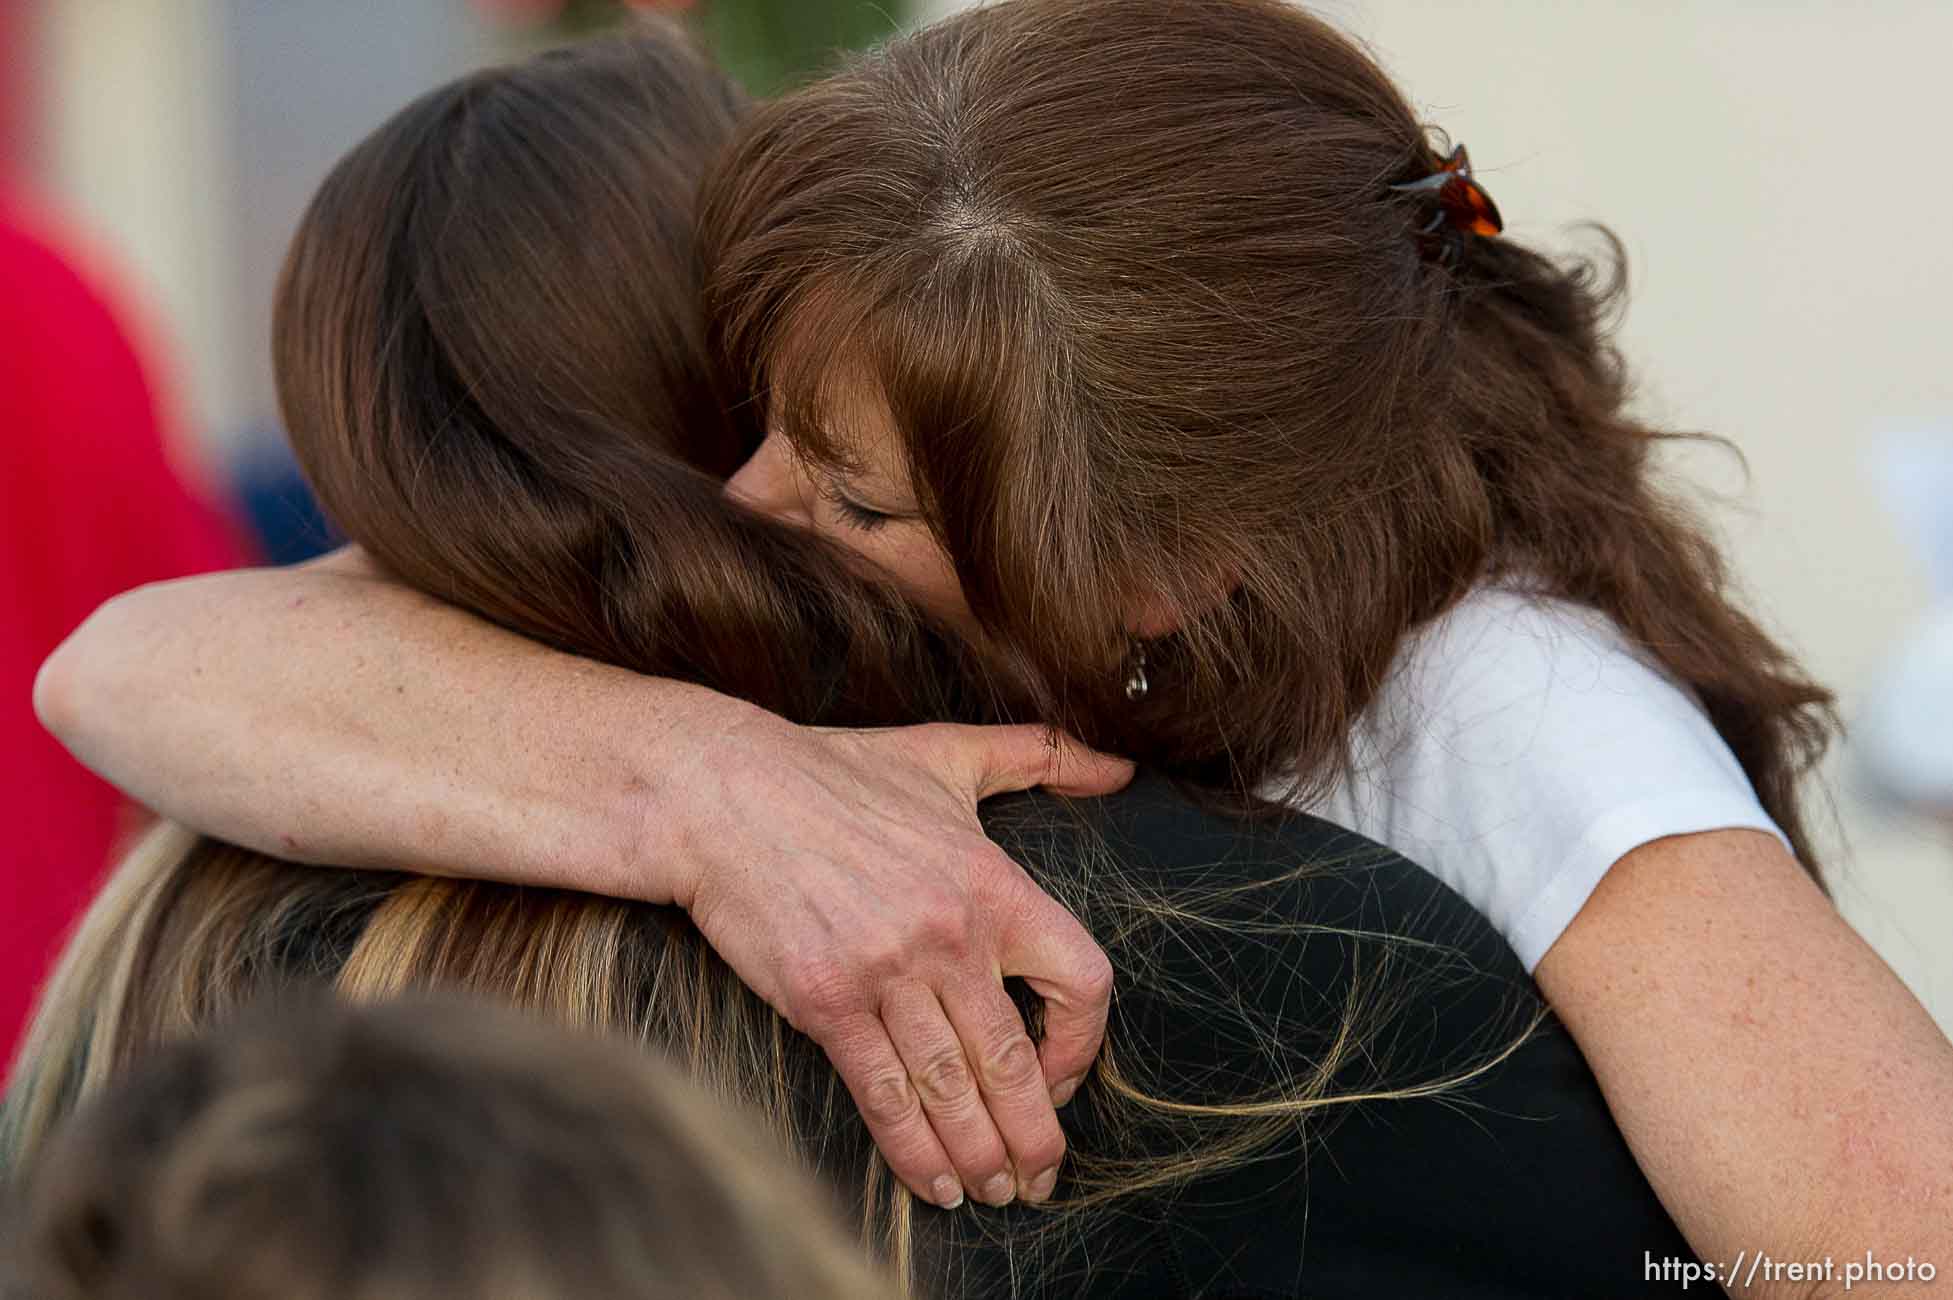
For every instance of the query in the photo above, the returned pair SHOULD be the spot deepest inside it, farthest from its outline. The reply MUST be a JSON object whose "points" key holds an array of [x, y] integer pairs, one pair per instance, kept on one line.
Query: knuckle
{"points": [[880, 958], [821, 993], [1009, 1063], [888, 1099], [1095, 974], [949, 929], [944, 1077]]}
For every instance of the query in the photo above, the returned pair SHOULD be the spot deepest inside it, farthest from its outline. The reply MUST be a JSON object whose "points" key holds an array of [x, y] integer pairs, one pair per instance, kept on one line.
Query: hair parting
{"points": [[1142, 292]]}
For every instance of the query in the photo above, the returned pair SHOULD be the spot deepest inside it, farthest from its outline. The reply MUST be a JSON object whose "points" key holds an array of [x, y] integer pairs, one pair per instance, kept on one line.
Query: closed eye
{"points": [[854, 513]]}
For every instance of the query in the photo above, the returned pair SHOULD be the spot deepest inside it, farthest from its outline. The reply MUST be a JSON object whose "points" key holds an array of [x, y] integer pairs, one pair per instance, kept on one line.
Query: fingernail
{"points": [[1066, 1090], [948, 1192], [999, 1190], [1040, 1188]]}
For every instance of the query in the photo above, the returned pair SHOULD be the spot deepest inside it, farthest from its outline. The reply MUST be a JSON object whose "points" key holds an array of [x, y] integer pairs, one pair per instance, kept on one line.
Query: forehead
{"points": [[843, 424]]}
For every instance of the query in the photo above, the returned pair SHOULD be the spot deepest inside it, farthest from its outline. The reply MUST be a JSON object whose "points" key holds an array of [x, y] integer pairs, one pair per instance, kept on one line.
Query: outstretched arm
{"points": [[1779, 1086], [329, 715]]}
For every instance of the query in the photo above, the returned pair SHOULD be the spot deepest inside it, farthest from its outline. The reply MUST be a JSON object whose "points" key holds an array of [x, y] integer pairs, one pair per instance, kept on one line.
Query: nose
{"points": [[773, 483]]}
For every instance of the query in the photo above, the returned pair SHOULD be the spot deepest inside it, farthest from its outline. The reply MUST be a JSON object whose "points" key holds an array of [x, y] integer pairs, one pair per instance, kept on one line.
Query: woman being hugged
{"points": [[1143, 342]]}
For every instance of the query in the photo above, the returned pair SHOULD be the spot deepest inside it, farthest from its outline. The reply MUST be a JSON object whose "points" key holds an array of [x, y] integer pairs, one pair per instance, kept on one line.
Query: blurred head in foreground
{"points": [[429, 1148]]}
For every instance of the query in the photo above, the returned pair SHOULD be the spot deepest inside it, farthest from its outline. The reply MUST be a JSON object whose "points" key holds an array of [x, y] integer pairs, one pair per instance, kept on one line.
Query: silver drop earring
{"points": [[1136, 685]]}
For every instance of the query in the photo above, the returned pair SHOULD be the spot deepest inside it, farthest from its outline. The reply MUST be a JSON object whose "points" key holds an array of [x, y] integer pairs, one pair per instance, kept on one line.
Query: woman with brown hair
{"points": [[1149, 344], [1316, 1075]]}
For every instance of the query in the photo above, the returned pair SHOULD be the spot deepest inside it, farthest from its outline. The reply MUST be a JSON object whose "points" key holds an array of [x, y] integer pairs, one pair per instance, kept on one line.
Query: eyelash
{"points": [[857, 516]]}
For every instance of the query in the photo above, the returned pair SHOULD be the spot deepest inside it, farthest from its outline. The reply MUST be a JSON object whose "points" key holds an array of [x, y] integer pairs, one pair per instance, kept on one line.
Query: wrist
{"points": [[694, 747]]}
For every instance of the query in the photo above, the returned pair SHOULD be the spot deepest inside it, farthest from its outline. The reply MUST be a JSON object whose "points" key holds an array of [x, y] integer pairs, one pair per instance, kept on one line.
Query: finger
{"points": [[943, 1079], [879, 1083], [1017, 758], [1011, 1081], [1058, 958]]}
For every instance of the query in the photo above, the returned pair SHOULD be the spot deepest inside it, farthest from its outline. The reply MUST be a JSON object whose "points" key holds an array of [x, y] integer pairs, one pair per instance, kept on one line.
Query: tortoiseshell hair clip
{"points": [[1462, 208]]}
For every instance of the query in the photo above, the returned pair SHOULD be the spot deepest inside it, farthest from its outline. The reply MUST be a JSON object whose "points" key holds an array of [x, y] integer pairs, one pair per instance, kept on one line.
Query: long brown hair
{"points": [[1153, 325], [489, 360]]}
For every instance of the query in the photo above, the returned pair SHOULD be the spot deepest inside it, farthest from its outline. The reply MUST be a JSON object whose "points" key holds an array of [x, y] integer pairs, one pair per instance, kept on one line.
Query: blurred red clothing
{"points": [[89, 506]]}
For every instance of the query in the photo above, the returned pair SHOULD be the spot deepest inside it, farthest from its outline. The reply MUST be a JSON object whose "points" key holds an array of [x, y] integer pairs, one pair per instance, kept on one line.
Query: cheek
{"points": [[929, 580], [906, 555]]}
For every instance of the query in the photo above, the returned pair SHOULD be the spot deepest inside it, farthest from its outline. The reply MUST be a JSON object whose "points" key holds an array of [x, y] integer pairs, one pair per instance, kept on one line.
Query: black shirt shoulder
{"points": [[1265, 959]]}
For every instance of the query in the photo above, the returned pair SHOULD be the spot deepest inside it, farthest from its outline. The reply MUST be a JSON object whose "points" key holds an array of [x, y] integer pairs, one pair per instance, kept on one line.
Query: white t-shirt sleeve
{"points": [[1520, 748]]}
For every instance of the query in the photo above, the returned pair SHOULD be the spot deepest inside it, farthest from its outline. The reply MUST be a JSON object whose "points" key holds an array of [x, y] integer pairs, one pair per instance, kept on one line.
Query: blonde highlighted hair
{"points": [[191, 930], [430, 1148]]}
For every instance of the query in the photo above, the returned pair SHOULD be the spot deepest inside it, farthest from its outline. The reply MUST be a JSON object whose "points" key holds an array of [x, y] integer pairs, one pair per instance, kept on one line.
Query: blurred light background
{"points": [[1775, 170]]}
